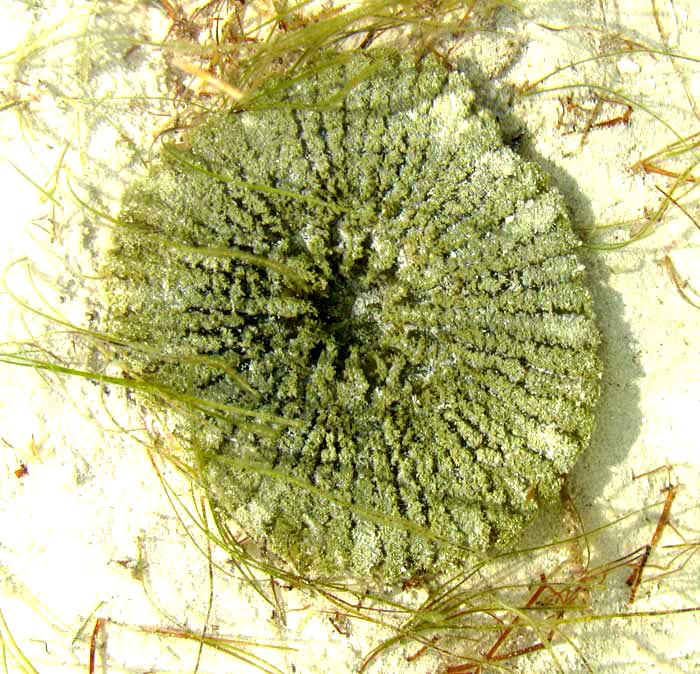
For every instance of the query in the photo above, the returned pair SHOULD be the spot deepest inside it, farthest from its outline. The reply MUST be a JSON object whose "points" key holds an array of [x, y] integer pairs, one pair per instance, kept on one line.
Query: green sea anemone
{"points": [[369, 316]]}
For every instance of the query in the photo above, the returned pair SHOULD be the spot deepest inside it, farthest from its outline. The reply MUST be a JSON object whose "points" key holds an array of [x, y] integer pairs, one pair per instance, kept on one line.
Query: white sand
{"points": [[73, 528]]}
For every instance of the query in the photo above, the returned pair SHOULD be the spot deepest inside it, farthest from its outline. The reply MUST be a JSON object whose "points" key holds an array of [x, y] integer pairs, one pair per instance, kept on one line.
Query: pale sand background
{"points": [[91, 497]]}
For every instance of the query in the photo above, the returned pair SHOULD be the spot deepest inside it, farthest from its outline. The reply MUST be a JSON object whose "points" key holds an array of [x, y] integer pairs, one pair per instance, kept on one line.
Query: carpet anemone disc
{"points": [[369, 315]]}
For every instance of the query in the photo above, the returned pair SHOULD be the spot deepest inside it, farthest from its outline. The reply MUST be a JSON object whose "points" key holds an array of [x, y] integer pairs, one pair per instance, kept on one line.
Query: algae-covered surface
{"points": [[87, 529], [388, 301]]}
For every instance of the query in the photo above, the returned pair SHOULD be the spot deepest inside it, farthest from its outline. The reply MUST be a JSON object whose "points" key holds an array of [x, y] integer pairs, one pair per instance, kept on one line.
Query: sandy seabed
{"points": [[90, 506]]}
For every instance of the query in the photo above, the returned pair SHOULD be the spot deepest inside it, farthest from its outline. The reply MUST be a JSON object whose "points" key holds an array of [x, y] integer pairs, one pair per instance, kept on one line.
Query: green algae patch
{"points": [[369, 319]]}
